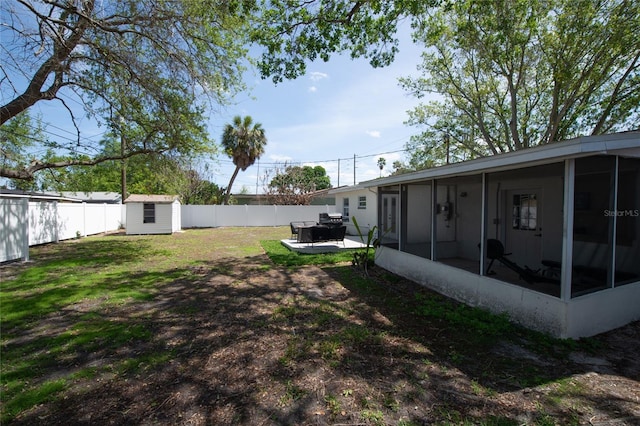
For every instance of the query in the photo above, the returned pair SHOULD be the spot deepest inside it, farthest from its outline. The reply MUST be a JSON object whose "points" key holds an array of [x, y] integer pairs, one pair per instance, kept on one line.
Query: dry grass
{"points": [[203, 328]]}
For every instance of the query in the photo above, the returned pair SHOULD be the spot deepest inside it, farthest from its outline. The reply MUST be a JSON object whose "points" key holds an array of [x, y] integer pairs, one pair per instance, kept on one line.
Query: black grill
{"points": [[330, 219]]}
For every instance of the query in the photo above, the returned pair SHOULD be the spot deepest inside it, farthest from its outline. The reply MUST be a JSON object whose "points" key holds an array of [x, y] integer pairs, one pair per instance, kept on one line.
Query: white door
{"points": [[524, 227], [390, 216]]}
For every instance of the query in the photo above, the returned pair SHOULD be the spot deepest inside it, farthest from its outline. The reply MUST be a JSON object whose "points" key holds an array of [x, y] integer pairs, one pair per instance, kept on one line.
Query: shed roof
{"points": [[624, 143], [156, 199]]}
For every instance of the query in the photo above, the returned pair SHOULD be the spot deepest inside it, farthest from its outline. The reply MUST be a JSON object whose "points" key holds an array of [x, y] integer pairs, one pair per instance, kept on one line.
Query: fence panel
{"points": [[43, 222], [198, 216], [53, 221], [71, 220], [248, 215], [287, 214], [13, 235]]}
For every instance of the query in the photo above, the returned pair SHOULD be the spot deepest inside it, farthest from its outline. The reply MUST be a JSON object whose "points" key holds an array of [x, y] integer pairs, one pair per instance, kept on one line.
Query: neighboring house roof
{"points": [[624, 143], [347, 188], [95, 196], [323, 195], [156, 199], [35, 196]]}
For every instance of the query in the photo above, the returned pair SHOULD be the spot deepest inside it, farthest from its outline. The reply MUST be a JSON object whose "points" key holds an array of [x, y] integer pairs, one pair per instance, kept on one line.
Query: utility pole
{"points": [[446, 141], [123, 164], [338, 172], [354, 170]]}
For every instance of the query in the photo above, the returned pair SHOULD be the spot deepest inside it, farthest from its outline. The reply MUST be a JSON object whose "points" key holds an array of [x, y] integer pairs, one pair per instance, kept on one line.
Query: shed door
{"points": [[524, 227]]}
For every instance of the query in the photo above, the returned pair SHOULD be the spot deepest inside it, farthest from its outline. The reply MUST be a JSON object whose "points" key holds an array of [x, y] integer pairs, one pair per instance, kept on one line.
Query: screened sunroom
{"points": [[550, 235]]}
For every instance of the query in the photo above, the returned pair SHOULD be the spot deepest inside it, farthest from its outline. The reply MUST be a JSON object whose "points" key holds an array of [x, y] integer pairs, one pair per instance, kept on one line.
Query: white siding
{"points": [[367, 217], [162, 224]]}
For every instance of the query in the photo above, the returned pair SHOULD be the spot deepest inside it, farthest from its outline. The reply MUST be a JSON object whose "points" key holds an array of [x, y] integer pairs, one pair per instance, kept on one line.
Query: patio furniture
{"points": [[299, 224], [321, 233]]}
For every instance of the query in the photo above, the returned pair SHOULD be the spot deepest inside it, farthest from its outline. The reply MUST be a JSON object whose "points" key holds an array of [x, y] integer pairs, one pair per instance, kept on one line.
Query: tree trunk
{"points": [[233, 178]]}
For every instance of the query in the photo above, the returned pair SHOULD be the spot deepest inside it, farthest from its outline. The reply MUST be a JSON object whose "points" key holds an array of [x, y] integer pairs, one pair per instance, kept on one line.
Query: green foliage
{"points": [[292, 393], [244, 142], [519, 74], [17, 136], [381, 163], [281, 255], [146, 174], [129, 66], [477, 320], [362, 259], [295, 185], [293, 33]]}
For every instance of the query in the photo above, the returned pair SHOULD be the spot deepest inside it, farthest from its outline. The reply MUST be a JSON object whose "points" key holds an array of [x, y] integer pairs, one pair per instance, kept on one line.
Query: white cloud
{"points": [[317, 76], [373, 133], [278, 158], [313, 89]]}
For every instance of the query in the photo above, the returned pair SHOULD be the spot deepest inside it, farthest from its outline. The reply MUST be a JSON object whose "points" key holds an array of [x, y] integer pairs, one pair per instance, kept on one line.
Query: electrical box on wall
{"points": [[445, 209]]}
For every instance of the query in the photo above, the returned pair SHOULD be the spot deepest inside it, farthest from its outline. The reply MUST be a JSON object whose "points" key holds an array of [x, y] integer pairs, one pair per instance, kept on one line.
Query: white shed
{"points": [[153, 214]]}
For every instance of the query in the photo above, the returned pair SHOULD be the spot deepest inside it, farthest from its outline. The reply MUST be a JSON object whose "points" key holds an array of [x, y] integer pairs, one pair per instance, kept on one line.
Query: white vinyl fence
{"points": [[248, 215], [24, 223], [14, 229]]}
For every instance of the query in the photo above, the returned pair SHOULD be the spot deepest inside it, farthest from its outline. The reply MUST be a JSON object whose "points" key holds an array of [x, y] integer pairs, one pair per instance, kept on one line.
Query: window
{"points": [[345, 210], [525, 212], [149, 213], [362, 202]]}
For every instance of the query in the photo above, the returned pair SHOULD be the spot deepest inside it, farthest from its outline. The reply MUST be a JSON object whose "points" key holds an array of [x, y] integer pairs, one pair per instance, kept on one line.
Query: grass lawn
{"points": [[227, 326]]}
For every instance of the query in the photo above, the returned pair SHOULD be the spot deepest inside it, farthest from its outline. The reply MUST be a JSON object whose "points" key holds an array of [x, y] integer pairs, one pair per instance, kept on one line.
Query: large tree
{"points": [[139, 66], [295, 32], [515, 74], [244, 142], [146, 174], [296, 185]]}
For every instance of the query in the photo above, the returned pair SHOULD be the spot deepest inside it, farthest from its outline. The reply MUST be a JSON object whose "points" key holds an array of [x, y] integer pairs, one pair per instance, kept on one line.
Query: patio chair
{"points": [[299, 224]]}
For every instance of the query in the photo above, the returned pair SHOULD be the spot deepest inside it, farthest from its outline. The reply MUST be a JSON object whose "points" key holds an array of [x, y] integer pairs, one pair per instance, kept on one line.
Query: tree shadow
{"points": [[239, 340]]}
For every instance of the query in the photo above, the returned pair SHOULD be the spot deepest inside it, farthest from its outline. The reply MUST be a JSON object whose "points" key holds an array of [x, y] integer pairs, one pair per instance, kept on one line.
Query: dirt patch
{"points": [[246, 342]]}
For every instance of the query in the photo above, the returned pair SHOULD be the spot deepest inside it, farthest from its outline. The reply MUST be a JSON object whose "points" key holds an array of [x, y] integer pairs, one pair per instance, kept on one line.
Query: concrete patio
{"points": [[350, 242]]}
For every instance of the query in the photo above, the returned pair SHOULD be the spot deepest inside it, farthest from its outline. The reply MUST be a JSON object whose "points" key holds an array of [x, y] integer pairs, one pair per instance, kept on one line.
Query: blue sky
{"points": [[339, 109]]}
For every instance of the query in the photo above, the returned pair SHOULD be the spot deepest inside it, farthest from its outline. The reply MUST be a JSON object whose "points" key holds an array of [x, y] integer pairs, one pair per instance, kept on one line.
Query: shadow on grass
{"points": [[241, 341]]}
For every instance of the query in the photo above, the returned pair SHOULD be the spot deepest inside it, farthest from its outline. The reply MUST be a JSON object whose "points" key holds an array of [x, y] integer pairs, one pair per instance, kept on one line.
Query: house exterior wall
{"points": [[367, 217], [602, 311], [551, 194], [532, 204], [467, 209], [535, 310], [419, 212], [162, 225]]}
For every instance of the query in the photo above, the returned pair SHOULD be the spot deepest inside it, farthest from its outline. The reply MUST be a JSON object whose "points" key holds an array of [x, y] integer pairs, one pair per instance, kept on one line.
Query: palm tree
{"points": [[244, 144], [381, 163]]}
